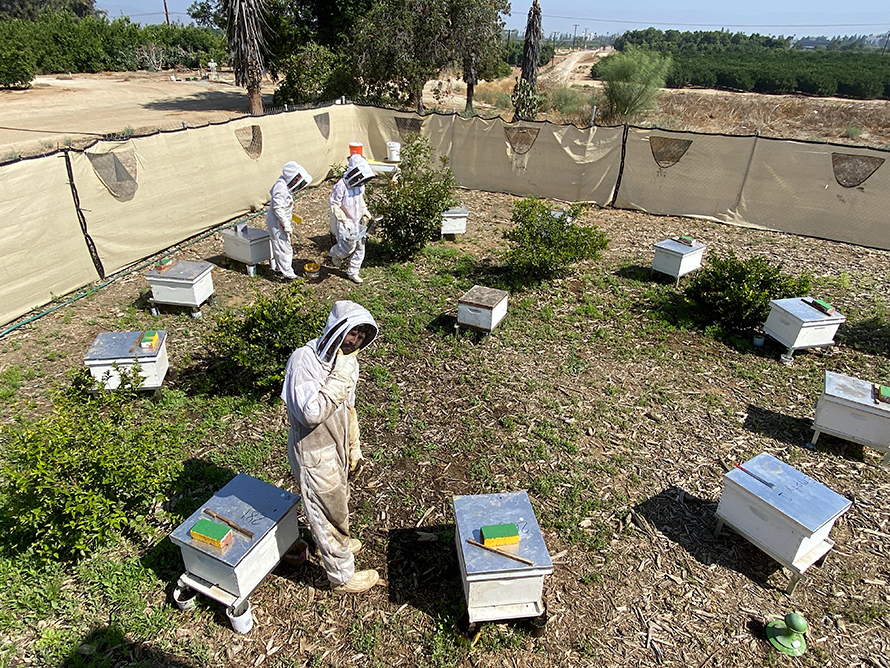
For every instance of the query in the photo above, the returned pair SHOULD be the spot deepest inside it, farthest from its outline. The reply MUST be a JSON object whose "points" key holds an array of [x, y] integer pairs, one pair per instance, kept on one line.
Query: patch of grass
{"points": [[11, 380], [852, 132], [364, 636]]}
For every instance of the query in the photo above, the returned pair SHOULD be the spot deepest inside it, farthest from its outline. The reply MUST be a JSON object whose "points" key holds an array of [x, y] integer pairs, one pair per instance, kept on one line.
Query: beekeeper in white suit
{"points": [[280, 215], [323, 441], [350, 217]]}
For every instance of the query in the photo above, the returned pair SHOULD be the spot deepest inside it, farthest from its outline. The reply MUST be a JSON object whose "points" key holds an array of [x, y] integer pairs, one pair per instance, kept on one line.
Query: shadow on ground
{"points": [[689, 522]]}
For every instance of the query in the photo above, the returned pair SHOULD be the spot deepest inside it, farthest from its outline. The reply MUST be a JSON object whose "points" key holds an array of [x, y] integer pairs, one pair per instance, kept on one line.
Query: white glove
{"points": [[355, 450], [341, 379], [346, 366], [339, 213]]}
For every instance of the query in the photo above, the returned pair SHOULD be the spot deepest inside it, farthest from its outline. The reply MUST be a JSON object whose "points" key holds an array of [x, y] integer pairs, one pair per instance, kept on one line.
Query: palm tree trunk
{"points": [[255, 98]]}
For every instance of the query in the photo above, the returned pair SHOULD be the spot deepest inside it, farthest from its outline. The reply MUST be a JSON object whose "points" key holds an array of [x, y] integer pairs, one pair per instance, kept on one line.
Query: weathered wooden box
{"points": [[112, 351], [795, 324], [785, 513], [497, 587], [482, 308], [182, 283], [847, 409], [230, 575], [677, 259], [249, 245], [454, 221]]}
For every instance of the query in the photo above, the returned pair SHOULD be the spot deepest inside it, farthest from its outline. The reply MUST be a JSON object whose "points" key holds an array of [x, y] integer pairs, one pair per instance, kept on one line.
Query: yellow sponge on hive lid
{"points": [[499, 534], [212, 533]]}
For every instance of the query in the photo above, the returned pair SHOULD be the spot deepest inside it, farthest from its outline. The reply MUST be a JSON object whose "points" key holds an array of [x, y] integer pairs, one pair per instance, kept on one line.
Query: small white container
{"points": [[796, 325], [847, 409], [112, 352], [241, 623], [785, 513], [393, 149], [249, 245], [676, 259], [181, 283], [482, 308], [454, 221], [185, 597]]}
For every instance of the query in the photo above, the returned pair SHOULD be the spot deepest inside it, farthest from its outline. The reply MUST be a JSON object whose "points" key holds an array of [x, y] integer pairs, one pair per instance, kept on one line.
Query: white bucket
{"points": [[242, 623], [185, 597], [392, 151]]}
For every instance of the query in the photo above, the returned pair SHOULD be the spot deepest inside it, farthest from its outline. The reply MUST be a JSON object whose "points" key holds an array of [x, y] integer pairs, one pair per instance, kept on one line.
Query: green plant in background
{"points": [[93, 469], [545, 242], [17, 67], [733, 295], [852, 132], [249, 346], [632, 80], [411, 205]]}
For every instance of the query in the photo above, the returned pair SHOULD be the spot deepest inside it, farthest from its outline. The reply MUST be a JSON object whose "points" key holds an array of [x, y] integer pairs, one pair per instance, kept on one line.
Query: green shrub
{"points": [[734, 294], [632, 80], [250, 346], [411, 205], [16, 67], [93, 469], [546, 241]]}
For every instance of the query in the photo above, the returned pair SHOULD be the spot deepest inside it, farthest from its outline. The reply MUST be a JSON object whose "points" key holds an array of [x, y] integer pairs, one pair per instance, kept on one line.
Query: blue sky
{"points": [[768, 17]]}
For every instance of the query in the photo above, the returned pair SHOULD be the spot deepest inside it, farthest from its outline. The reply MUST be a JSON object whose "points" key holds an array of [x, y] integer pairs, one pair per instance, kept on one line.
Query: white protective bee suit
{"points": [[319, 391], [280, 214], [346, 213]]}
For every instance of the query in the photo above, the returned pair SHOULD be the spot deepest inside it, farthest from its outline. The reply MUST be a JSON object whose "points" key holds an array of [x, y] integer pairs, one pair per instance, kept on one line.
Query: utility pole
{"points": [[884, 48], [166, 13], [573, 36]]}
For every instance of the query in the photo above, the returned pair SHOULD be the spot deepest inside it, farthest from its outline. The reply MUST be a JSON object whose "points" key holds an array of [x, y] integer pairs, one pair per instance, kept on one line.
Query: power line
{"points": [[717, 25]]}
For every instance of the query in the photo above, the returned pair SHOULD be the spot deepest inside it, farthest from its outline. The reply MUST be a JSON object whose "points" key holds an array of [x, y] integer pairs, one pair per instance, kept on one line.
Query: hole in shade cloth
{"points": [[667, 151], [323, 123], [116, 168], [521, 140], [407, 126], [852, 170], [251, 140]]}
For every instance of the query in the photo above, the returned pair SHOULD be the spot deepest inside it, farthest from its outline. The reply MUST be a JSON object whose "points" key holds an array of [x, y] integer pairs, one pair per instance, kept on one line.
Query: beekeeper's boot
{"points": [[361, 581]]}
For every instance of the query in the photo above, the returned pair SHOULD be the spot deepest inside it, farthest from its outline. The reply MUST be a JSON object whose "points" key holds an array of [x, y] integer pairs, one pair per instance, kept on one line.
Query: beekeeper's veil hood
{"points": [[358, 171], [295, 172], [344, 316]]}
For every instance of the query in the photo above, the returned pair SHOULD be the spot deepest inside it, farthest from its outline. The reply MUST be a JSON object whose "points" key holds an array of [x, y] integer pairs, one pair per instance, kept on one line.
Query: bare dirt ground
{"points": [[659, 420]]}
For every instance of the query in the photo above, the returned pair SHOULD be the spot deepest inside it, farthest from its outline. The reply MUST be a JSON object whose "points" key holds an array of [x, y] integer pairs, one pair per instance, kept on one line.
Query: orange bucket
{"points": [[355, 148]]}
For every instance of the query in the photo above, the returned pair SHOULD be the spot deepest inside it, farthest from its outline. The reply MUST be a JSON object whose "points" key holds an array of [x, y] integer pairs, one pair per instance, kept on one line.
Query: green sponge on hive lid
{"points": [[212, 533], [499, 534], [882, 393]]}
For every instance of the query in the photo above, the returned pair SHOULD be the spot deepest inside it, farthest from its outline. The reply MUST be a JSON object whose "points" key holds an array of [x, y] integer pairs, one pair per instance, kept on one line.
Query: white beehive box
{"points": [[796, 324], [783, 512], [113, 351], [497, 587], [482, 308], [229, 575], [248, 245], [454, 221], [847, 409], [677, 259], [181, 283]]}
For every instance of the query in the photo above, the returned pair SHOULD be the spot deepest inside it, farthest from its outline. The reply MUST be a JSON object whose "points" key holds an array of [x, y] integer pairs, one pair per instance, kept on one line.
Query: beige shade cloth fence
{"points": [[147, 194], [42, 247]]}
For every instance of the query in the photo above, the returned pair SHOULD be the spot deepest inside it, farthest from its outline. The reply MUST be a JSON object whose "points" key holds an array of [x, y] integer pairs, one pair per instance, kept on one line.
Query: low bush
{"points": [[92, 470], [249, 346], [545, 242], [411, 205], [734, 294], [16, 67]]}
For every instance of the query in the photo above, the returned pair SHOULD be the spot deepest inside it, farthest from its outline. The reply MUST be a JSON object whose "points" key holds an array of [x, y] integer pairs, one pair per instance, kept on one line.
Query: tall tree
{"points": [[476, 28], [245, 23], [525, 94], [400, 45], [29, 9]]}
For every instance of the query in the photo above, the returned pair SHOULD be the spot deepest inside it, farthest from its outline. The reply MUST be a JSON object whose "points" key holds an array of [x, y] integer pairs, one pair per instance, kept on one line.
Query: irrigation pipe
{"points": [[127, 272]]}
